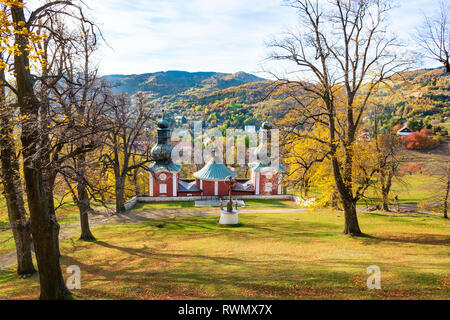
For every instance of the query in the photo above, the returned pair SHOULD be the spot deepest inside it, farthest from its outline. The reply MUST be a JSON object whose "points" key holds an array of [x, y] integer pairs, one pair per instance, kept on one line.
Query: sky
{"points": [[207, 35]]}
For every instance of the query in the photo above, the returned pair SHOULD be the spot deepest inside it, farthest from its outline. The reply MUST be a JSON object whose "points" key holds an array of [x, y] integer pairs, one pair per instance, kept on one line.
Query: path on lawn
{"points": [[105, 218]]}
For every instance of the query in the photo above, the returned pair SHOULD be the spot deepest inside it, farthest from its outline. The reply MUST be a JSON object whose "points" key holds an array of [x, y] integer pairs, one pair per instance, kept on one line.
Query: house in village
{"points": [[404, 131]]}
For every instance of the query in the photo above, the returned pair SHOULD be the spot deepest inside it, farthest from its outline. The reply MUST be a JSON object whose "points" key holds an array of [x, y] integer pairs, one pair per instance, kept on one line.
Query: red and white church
{"points": [[164, 177]]}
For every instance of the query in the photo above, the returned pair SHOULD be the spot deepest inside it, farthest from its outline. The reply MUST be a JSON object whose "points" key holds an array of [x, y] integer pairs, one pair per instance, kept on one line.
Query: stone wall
{"points": [[132, 203]]}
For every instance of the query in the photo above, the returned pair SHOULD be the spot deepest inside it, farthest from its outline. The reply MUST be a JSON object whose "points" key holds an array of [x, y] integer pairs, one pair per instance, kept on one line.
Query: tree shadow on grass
{"points": [[153, 253], [417, 238]]}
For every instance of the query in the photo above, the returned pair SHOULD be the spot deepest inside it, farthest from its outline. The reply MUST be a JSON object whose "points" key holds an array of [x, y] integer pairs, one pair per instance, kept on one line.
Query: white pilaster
{"points": [[257, 183], [279, 182], [216, 188], [151, 185], [174, 183]]}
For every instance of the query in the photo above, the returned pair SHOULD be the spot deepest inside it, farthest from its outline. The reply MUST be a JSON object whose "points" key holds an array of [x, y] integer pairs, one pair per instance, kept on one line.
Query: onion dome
{"points": [[263, 151], [162, 151], [163, 124], [266, 125]]}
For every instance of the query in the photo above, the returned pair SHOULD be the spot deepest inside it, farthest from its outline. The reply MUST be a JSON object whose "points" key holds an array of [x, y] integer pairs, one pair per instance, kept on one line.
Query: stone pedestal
{"points": [[228, 217]]}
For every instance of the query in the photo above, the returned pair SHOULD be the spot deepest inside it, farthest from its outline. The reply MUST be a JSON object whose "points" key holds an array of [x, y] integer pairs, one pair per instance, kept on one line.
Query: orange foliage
{"points": [[419, 141], [413, 167], [396, 128], [426, 132]]}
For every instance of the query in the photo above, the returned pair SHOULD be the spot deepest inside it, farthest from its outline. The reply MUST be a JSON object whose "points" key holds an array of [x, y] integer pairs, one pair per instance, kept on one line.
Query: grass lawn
{"points": [[412, 189], [288, 254], [191, 204], [416, 188], [66, 214]]}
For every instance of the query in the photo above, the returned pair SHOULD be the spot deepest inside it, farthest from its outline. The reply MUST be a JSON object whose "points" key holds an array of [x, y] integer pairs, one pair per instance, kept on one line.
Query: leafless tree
{"points": [[81, 98], [128, 119], [343, 52], [39, 149], [12, 184], [433, 37]]}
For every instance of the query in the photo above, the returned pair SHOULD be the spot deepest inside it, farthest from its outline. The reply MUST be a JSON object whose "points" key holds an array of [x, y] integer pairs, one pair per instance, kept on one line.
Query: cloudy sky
{"points": [[206, 35]]}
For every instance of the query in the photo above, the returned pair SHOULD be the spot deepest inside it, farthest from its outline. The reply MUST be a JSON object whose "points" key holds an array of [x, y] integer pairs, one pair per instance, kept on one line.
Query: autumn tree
{"points": [[344, 53], [446, 179], [419, 141], [433, 37], [390, 156], [304, 158]]}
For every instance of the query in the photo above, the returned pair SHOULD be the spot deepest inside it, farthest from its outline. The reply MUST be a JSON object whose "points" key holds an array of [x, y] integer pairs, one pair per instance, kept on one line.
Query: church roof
{"points": [[258, 166], [187, 186], [214, 170], [171, 167]]}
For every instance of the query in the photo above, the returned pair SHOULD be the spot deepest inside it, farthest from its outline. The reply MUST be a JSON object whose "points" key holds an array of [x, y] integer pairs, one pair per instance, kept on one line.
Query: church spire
{"points": [[162, 151]]}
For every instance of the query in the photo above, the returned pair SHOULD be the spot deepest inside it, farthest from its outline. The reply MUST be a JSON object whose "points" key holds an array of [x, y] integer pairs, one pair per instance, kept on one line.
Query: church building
{"points": [[164, 181]]}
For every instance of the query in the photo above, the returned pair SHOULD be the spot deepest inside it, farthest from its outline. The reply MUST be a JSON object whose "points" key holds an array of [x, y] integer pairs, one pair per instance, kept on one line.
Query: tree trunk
{"points": [[120, 195], [446, 197], [48, 178], [84, 208], [14, 196], [137, 188], [385, 202], [351, 218], [42, 224], [385, 189]]}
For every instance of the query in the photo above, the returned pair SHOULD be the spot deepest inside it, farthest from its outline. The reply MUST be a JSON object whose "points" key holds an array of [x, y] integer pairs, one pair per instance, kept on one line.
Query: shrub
{"points": [[397, 127], [437, 140], [419, 141], [413, 167], [426, 132]]}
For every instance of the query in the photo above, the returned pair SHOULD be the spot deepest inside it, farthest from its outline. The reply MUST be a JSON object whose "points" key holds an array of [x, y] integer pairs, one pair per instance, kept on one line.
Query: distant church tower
{"points": [[164, 174], [266, 176]]}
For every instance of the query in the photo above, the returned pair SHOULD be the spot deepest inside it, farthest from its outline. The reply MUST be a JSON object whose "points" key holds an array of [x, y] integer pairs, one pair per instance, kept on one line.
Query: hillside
{"points": [[180, 83], [239, 99], [221, 99], [421, 94]]}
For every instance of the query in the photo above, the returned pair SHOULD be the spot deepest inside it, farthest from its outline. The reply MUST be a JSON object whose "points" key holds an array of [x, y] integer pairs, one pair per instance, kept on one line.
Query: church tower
{"points": [[164, 173], [265, 174]]}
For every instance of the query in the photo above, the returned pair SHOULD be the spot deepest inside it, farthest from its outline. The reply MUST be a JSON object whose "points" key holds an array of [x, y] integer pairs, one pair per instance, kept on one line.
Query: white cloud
{"points": [[203, 35]]}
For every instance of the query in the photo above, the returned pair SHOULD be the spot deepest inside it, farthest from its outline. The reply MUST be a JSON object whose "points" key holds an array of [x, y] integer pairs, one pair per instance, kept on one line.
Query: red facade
{"points": [[163, 184], [267, 182]]}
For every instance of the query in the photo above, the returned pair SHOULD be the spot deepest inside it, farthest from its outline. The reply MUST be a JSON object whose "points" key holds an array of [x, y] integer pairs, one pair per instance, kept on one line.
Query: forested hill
{"points": [[423, 95], [235, 100], [161, 84]]}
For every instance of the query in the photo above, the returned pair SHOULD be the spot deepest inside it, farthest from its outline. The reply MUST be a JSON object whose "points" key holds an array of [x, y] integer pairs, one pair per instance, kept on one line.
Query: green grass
{"points": [[191, 204], [165, 205], [288, 254], [416, 188], [269, 204], [412, 189]]}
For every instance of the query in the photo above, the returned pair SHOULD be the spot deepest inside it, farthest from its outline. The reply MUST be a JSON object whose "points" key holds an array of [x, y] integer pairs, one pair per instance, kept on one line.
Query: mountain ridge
{"points": [[175, 82]]}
